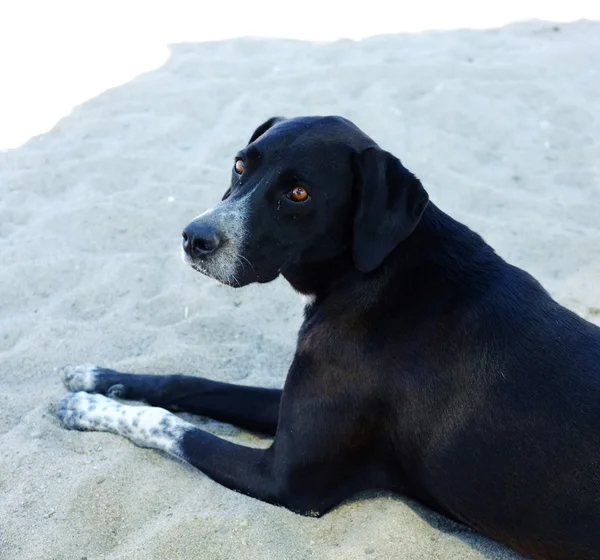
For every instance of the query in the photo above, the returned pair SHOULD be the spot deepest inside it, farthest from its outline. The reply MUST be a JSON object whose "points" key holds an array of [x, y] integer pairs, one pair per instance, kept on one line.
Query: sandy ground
{"points": [[502, 126]]}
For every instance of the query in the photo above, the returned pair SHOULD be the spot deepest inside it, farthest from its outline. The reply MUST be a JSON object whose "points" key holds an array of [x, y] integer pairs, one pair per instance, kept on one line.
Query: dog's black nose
{"points": [[200, 239]]}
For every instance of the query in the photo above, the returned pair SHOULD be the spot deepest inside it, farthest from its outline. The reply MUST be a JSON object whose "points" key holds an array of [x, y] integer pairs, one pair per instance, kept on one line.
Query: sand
{"points": [[502, 126]]}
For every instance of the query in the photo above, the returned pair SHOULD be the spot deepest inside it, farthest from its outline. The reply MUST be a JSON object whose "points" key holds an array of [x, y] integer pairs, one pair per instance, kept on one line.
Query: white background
{"points": [[55, 54]]}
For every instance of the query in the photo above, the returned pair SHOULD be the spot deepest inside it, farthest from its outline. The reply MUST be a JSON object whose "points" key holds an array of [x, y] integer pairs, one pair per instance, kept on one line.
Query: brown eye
{"points": [[298, 194], [239, 166]]}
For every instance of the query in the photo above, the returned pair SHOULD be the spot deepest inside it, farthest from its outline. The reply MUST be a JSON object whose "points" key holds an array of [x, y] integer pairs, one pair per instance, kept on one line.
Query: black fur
{"points": [[426, 365]]}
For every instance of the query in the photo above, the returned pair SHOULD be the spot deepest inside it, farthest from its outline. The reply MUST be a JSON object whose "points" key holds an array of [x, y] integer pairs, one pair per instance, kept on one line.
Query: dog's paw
{"points": [[83, 411], [80, 378], [146, 426]]}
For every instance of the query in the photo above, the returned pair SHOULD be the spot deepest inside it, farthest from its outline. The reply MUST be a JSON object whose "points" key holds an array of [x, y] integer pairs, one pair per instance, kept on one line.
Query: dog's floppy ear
{"points": [[264, 127], [390, 203]]}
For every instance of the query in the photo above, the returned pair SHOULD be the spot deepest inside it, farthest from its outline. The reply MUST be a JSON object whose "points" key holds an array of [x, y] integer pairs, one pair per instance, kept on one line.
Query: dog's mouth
{"points": [[216, 267], [198, 268]]}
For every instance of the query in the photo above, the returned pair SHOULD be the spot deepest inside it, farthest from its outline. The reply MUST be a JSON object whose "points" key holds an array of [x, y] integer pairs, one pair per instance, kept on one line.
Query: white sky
{"points": [[55, 54]]}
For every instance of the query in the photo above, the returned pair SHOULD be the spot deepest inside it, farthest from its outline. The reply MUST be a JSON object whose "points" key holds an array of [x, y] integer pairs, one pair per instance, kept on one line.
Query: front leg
{"points": [[315, 462], [250, 408], [244, 469]]}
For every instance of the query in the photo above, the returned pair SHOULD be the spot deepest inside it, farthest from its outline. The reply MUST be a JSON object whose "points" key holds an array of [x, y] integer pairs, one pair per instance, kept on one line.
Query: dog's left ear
{"points": [[264, 127], [391, 201]]}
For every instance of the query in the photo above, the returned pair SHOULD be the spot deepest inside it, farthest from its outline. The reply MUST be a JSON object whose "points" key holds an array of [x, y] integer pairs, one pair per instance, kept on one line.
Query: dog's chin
{"points": [[227, 273], [230, 279]]}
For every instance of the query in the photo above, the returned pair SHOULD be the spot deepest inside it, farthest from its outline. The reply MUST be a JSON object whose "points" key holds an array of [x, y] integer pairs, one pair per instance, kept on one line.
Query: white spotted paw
{"points": [[79, 378], [146, 426], [83, 411]]}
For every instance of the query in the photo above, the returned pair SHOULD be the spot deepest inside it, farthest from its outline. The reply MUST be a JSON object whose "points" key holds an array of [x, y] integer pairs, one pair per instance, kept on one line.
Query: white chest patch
{"points": [[309, 299], [146, 426]]}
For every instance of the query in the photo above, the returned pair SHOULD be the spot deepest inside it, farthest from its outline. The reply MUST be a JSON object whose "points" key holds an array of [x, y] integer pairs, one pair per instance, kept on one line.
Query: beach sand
{"points": [[503, 128]]}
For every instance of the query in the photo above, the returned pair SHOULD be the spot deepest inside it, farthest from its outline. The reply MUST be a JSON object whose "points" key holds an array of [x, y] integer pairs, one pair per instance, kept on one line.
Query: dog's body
{"points": [[425, 365]]}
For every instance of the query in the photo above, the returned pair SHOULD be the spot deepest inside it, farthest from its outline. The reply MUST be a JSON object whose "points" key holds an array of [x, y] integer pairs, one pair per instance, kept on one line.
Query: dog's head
{"points": [[305, 190]]}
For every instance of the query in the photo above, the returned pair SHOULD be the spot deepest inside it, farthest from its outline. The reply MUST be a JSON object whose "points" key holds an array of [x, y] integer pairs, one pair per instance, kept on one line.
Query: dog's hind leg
{"points": [[251, 408]]}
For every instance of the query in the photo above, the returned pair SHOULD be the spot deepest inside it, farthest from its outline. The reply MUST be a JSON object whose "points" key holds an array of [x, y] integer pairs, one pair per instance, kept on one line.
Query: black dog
{"points": [[425, 365]]}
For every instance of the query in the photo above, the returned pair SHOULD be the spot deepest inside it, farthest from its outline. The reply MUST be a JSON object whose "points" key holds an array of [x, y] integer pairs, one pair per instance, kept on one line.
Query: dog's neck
{"points": [[316, 279], [441, 242], [440, 249]]}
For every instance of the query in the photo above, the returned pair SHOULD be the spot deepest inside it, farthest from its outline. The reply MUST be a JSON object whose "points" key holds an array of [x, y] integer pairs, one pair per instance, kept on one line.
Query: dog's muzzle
{"points": [[213, 242]]}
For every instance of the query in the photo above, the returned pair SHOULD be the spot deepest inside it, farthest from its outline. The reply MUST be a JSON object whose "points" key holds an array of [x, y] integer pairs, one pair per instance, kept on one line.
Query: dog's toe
{"points": [[67, 410], [79, 378], [83, 411]]}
